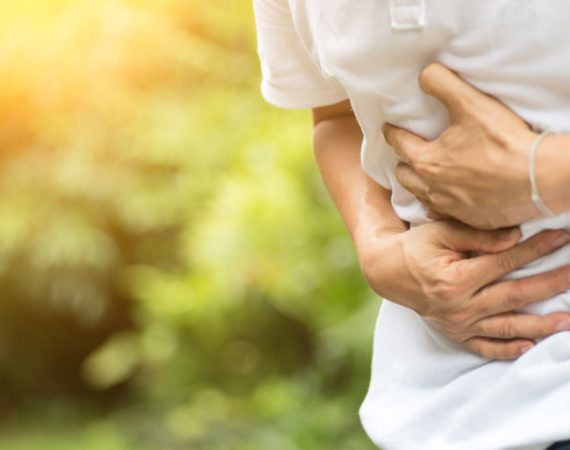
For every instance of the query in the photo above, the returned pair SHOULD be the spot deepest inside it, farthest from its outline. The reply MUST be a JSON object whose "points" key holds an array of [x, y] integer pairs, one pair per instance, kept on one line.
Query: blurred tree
{"points": [[167, 250]]}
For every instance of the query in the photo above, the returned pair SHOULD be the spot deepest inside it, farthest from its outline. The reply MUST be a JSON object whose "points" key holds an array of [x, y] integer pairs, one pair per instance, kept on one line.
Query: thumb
{"points": [[463, 238], [445, 85]]}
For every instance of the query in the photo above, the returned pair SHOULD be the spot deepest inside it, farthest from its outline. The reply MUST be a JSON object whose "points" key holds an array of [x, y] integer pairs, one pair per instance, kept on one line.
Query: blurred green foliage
{"points": [[173, 273]]}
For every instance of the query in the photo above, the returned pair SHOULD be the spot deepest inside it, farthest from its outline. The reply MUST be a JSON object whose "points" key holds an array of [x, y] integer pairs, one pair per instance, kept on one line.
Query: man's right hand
{"points": [[429, 269]]}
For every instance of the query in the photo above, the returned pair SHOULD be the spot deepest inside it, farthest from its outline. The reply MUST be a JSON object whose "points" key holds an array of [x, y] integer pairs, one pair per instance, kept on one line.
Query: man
{"points": [[444, 374]]}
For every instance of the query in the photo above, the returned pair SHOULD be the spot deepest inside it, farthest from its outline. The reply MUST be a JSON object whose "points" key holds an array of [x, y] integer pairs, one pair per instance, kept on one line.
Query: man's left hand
{"points": [[476, 171]]}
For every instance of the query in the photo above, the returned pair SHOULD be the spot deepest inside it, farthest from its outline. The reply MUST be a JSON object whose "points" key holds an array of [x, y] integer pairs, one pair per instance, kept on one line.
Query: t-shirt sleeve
{"points": [[290, 77]]}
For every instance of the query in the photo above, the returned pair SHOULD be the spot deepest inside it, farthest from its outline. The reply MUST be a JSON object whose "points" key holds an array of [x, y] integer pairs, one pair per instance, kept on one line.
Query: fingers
{"points": [[411, 181], [497, 348], [511, 295], [488, 268], [508, 336], [407, 145], [511, 326], [445, 85], [462, 238]]}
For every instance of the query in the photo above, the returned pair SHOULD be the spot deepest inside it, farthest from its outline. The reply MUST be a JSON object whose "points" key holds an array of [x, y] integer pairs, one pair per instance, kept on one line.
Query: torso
{"points": [[519, 52]]}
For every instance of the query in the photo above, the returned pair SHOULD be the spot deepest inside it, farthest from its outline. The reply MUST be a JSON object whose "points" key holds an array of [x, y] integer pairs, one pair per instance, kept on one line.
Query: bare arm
{"points": [[425, 268], [363, 204]]}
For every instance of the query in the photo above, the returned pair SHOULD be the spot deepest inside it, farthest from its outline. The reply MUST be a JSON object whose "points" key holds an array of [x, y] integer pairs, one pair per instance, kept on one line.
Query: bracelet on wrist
{"points": [[534, 193]]}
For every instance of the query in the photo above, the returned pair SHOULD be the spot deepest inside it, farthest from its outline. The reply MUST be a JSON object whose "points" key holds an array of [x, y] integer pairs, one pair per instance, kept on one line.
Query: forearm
{"points": [[427, 268], [553, 166], [363, 204]]}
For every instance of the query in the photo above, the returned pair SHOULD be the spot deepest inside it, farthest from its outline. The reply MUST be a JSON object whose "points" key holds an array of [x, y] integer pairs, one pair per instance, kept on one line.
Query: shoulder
{"points": [[272, 7]]}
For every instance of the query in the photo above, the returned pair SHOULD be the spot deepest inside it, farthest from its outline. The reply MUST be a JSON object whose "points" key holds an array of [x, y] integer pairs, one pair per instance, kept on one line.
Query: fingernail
{"points": [[526, 349], [563, 326], [561, 238]]}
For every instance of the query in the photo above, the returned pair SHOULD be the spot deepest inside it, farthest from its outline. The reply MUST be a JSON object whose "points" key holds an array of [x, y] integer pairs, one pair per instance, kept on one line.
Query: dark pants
{"points": [[565, 445]]}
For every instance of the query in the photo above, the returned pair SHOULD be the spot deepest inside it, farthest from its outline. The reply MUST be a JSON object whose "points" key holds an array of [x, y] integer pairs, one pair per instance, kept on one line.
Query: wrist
{"points": [[371, 231], [553, 172], [378, 261], [520, 164], [373, 242]]}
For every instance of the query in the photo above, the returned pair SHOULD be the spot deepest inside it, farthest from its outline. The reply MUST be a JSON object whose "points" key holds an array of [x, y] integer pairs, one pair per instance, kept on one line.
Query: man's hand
{"points": [[428, 269], [477, 170]]}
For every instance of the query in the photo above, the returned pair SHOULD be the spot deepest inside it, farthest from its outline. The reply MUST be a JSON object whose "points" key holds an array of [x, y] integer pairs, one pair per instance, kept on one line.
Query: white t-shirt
{"points": [[426, 391]]}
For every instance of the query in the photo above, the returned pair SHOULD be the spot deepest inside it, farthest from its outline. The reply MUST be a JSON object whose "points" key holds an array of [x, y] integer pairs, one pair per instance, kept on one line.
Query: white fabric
{"points": [[426, 391]]}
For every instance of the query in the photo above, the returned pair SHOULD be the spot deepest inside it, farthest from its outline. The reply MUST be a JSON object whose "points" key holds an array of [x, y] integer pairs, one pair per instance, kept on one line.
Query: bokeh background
{"points": [[172, 272]]}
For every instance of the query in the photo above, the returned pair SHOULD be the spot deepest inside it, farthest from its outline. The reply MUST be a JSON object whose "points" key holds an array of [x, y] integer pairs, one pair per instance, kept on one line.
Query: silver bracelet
{"points": [[534, 195]]}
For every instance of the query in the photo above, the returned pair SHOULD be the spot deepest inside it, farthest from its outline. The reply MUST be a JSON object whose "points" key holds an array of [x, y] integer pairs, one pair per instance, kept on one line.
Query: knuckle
{"points": [[439, 201], [515, 297], [486, 295], [506, 329], [507, 261], [427, 167], [444, 291], [456, 321], [511, 302]]}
